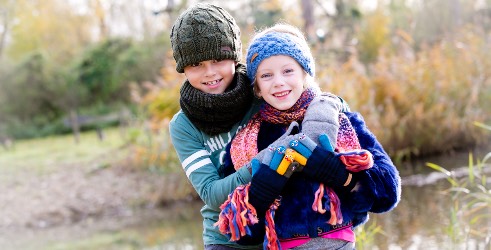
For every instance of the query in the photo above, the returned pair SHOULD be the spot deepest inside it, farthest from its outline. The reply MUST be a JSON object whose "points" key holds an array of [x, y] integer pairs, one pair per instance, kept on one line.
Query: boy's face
{"points": [[280, 80], [212, 76]]}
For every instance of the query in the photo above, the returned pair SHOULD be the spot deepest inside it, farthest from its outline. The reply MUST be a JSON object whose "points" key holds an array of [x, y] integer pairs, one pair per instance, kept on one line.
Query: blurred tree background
{"points": [[418, 70]]}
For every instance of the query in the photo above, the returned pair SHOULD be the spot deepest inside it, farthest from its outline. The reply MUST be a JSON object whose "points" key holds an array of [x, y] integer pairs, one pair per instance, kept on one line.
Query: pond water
{"points": [[422, 220]]}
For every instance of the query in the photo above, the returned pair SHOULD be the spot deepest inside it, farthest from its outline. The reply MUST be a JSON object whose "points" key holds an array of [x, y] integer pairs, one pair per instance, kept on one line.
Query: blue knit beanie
{"points": [[278, 43]]}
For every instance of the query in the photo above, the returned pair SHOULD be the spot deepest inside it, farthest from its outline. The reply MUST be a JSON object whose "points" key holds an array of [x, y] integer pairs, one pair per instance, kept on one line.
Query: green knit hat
{"points": [[204, 32]]}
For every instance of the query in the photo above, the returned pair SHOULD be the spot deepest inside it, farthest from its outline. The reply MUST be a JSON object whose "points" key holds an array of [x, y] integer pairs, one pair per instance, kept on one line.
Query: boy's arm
{"points": [[380, 186], [199, 168]]}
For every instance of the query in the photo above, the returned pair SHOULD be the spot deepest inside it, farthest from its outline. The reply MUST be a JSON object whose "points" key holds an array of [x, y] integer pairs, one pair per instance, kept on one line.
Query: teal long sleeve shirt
{"points": [[201, 155]]}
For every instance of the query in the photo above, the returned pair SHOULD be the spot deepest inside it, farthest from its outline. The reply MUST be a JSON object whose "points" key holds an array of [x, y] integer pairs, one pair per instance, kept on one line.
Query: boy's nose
{"points": [[210, 70]]}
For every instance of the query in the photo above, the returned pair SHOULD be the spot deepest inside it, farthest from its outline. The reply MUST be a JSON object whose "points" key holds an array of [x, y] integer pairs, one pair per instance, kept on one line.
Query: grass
{"points": [[44, 155], [471, 198]]}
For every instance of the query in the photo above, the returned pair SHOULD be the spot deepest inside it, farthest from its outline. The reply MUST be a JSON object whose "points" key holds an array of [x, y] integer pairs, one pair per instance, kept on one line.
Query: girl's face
{"points": [[280, 80], [212, 76]]}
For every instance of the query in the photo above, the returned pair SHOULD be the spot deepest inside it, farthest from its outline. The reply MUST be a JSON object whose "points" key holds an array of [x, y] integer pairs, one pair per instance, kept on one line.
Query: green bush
{"points": [[37, 94]]}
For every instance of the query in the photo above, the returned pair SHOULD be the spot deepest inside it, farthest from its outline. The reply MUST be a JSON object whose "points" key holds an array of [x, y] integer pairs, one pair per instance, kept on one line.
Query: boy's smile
{"points": [[213, 84], [212, 76]]}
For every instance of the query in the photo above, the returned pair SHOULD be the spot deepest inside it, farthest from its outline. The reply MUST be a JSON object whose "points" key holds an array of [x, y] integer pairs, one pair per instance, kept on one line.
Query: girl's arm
{"points": [[379, 187]]}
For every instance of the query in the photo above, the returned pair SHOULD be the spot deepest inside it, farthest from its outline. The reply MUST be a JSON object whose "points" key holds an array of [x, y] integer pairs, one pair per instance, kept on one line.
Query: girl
{"points": [[281, 67]]}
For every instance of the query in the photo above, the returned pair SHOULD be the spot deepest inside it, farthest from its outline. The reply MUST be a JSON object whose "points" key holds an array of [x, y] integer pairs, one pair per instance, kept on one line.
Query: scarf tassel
{"points": [[355, 161], [237, 214], [333, 204], [271, 240]]}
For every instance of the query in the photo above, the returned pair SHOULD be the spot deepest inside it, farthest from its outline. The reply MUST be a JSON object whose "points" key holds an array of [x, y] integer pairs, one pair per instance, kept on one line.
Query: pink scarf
{"points": [[244, 145], [237, 214]]}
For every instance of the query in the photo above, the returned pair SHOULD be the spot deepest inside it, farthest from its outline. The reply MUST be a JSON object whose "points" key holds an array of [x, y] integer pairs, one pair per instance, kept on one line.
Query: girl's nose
{"points": [[278, 81]]}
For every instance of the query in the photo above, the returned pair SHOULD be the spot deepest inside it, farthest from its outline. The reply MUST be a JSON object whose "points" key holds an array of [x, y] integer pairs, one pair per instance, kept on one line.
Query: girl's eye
{"points": [[288, 70], [265, 75]]}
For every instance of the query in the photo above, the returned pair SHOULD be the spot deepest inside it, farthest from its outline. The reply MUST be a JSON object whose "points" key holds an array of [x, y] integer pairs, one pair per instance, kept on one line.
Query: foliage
{"points": [[98, 73], [152, 146], [38, 93], [32, 93], [270, 13], [37, 27], [373, 35], [366, 234], [471, 198], [152, 150], [420, 61], [420, 103], [107, 69]]}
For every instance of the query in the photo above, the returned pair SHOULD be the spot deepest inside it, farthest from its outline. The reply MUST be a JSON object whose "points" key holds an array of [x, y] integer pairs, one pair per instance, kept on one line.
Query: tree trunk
{"points": [[4, 15], [75, 125], [308, 17]]}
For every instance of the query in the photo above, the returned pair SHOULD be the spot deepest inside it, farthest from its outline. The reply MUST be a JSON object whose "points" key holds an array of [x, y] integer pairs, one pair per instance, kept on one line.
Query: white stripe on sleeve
{"points": [[199, 164], [193, 157]]}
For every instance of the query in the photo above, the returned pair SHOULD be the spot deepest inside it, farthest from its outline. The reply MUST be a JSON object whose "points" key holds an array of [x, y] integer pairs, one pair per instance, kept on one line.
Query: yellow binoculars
{"points": [[291, 156]]}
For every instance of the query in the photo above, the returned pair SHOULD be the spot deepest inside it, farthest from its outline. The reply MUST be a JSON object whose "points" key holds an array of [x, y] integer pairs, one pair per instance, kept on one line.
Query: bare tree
{"points": [[4, 25], [100, 15], [308, 17]]}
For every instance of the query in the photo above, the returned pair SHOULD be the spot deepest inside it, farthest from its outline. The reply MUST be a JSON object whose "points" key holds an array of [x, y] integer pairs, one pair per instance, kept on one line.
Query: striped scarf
{"points": [[244, 145], [237, 214]]}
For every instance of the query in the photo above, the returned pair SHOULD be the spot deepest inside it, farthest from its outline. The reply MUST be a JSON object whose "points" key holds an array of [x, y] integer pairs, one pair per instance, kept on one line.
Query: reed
{"points": [[470, 213]]}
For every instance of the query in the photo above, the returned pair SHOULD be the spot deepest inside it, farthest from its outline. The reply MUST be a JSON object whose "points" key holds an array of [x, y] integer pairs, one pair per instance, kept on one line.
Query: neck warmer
{"points": [[217, 113], [244, 145]]}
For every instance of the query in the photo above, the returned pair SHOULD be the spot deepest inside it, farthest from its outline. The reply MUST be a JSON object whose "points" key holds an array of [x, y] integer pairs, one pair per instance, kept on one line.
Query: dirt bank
{"points": [[74, 193]]}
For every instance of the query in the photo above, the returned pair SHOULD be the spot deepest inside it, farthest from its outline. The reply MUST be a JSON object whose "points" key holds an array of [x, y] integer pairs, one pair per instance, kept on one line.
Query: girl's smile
{"points": [[280, 80]]}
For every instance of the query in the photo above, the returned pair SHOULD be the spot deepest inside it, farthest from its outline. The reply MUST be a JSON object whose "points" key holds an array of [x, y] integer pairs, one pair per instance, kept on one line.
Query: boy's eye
{"points": [[215, 61], [195, 64]]}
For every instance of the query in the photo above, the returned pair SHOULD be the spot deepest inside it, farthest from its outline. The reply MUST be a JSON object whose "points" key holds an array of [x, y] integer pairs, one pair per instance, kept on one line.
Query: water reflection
{"points": [[422, 220], [178, 226]]}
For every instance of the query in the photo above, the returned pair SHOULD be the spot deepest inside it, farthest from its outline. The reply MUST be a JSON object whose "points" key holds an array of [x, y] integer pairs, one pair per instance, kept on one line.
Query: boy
{"points": [[216, 101]]}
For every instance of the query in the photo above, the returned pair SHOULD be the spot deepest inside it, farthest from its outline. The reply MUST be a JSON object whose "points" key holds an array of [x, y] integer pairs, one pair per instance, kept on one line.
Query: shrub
{"points": [[157, 103], [423, 103], [469, 215]]}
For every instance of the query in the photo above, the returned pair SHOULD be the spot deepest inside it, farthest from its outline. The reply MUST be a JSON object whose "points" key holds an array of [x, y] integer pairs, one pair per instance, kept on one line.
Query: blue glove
{"points": [[266, 183], [322, 164]]}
